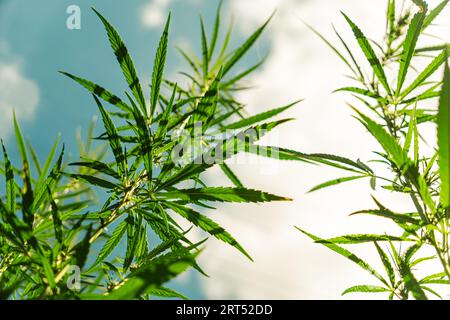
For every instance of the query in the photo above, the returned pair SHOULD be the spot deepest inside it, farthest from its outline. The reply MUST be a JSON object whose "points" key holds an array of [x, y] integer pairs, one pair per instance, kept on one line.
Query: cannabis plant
{"points": [[393, 110], [150, 177]]}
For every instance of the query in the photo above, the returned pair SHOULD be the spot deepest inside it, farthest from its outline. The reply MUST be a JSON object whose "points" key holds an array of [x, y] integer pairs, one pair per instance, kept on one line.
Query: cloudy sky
{"points": [[35, 43]]}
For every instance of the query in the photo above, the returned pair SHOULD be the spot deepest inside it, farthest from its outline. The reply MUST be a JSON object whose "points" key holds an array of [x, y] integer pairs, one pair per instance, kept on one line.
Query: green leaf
{"points": [[410, 282], [100, 92], [427, 72], [207, 104], [48, 271], [434, 13], [113, 139], [365, 289], [387, 264], [57, 223], [363, 92], [215, 34], [443, 121], [151, 275], [112, 242], [206, 225], [42, 186], [241, 141], [165, 293], [158, 67], [391, 21], [369, 53], [221, 194], [386, 213], [409, 45], [93, 180], [10, 183], [259, 117], [205, 51], [335, 182], [328, 43], [231, 175], [389, 144], [239, 53], [344, 252], [22, 147], [98, 166], [361, 238], [125, 61]]}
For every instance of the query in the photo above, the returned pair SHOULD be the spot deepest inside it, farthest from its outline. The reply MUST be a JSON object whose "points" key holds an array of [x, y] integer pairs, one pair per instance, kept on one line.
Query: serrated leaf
{"points": [[93, 180], [100, 92], [206, 225], [361, 238], [434, 13], [443, 121], [259, 117], [241, 141], [426, 73], [387, 264], [221, 194], [98, 166], [231, 175], [152, 275], [158, 67], [113, 138], [10, 183], [365, 289], [344, 252], [369, 53], [240, 52], [125, 61], [409, 46], [335, 182], [112, 242]]}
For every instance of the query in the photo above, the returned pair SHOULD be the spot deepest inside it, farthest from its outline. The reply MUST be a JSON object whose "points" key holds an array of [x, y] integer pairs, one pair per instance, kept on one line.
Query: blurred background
{"points": [[35, 43]]}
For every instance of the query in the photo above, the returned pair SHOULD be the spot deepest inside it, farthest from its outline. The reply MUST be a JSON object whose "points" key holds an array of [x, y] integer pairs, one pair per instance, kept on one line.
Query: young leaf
{"points": [[112, 242], [434, 13], [221, 194], [335, 182], [259, 117], [409, 45], [212, 45], [239, 53], [100, 92], [387, 264], [10, 183], [443, 121], [205, 52], [365, 289], [361, 238], [125, 61], [369, 53], [158, 67], [207, 225], [344, 252], [427, 72], [231, 175], [113, 138]]}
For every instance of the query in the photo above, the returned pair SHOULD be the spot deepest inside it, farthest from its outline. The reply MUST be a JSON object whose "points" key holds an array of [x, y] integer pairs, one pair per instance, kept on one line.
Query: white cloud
{"points": [[153, 14], [17, 93], [287, 264]]}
